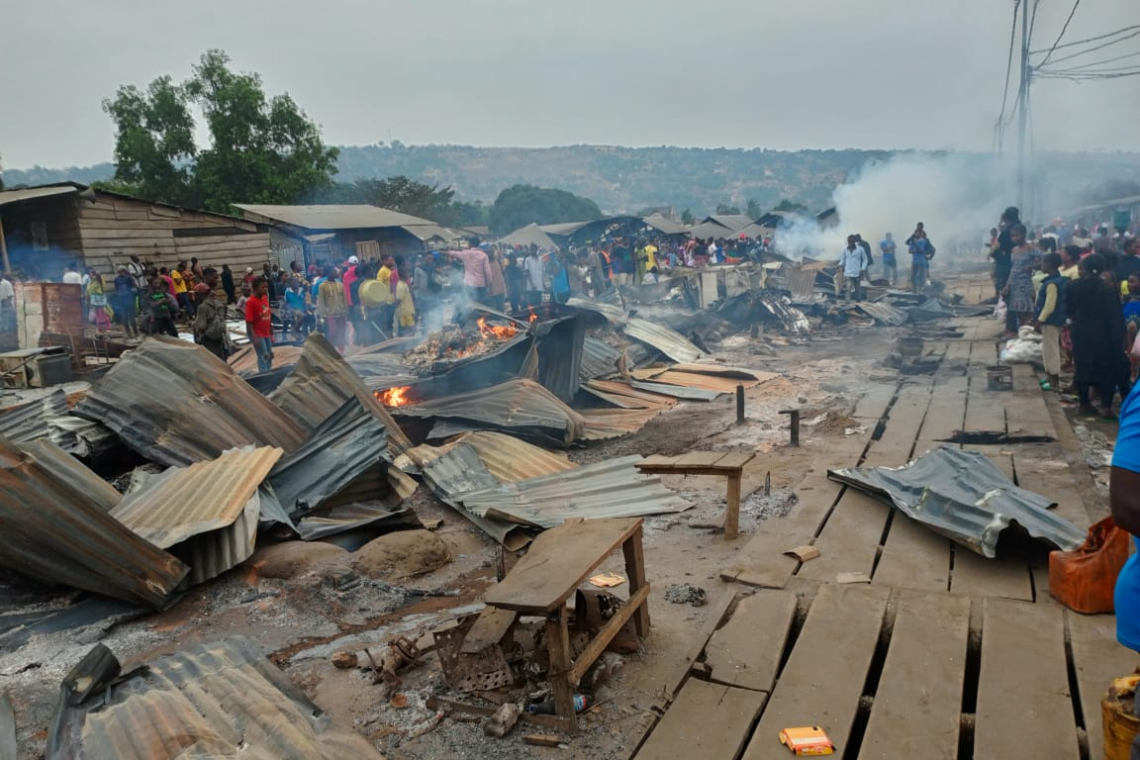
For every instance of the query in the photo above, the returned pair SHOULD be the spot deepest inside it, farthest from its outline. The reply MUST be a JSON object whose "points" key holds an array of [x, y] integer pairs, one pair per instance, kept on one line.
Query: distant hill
{"points": [[628, 179]]}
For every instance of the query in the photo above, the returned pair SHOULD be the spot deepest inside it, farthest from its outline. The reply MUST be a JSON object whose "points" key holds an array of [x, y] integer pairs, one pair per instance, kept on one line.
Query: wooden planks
{"points": [[699, 459], [1097, 659], [1005, 577], [917, 704], [558, 561], [1052, 477], [985, 409], [850, 540], [824, 677], [1026, 412], [1024, 709], [746, 652], [706, 720], [914, 557], [946, 413], [490, 628]]}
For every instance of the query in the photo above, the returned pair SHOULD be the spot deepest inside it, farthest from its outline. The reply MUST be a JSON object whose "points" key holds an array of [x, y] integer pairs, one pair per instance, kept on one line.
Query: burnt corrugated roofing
{"points": [[598, 359], [29, 422], [509, 459], [175, 403], [963, 496], [56, 527], [206, 514], [666, 340], [206, 701]]}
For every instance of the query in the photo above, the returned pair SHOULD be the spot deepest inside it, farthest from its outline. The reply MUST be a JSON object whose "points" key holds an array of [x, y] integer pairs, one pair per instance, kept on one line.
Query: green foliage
{"points": [[687, 217], [753, 209], [409, 197], [262, 149], [790, 207], [521, 205], [723, 209]]}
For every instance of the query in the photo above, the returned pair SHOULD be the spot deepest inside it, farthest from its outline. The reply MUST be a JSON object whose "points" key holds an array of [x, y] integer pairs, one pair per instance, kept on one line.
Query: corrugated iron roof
{"points": [[678, 391], [612, 488], [508, 459], [320, 384], [29, 422], [883, 313], [222, 699], [57, 528], [519, 405], [347, 444], [665, 225], [625, 396], [206, 514], [706, 377], [33, 193], [963, 496], [604, 424], [334, 217], [799, 281], [666, 340], [244, 360], [598, 359], [614, 312], [176, 404], [529, 235]]}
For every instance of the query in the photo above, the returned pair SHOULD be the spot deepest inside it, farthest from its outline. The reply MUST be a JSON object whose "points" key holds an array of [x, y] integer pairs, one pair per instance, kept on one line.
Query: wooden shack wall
{"points": [[114, 227], [65, 245]]}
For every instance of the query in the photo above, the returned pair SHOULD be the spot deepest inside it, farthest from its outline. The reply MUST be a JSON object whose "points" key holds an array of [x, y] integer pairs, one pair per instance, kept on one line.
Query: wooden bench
{"points": [[558, 562], [730, 465]]}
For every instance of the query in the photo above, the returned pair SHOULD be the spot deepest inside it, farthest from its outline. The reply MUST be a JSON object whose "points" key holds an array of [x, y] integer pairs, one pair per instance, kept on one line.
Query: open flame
{"points": [[495, 331], [533, 317], [395, 396]]}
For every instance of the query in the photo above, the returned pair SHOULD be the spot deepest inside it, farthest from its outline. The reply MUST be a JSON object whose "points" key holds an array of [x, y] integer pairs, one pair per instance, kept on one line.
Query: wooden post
{"points": [[732, 510], [558, 647], [740, 405], [635, 571]]}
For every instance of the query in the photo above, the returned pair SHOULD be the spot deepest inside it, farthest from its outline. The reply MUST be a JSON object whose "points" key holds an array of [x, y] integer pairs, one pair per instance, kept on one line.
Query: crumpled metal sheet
{"points": [[57, 528], [521, 406], [626, 397], [605, 424], [598, 359], [320, 384], [666, 340], [346, 445], [883, 313], [175, 403], [611, 488], [217, 700], [509, 459], [29, 422], [205, 514], [614, 313], [963, 496]]}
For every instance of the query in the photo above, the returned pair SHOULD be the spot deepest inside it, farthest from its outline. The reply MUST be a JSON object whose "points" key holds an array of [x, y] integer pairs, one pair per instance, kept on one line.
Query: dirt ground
{"points": [[305, 603]]}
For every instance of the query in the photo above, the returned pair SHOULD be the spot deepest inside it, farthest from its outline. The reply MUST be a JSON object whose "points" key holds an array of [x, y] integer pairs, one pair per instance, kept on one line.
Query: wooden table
{"points": [[730, 465], [558, 562]]}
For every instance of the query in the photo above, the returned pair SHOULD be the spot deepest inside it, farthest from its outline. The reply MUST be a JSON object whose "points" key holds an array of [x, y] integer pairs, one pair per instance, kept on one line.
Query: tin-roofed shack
{"points": [[48, 227]]}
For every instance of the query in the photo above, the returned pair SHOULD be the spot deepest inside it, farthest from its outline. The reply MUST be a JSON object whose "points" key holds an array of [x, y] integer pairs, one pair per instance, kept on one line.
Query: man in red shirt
{"points": [[259, 324]]}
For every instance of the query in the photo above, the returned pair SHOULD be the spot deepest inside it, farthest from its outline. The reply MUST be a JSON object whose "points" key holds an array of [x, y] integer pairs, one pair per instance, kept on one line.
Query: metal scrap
{"points": [[29, 422], [963, 496], [666, 340]]}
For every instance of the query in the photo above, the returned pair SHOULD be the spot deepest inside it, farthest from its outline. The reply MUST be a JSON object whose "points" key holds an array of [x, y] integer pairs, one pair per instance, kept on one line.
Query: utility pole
{"points": [[1023, 108]]}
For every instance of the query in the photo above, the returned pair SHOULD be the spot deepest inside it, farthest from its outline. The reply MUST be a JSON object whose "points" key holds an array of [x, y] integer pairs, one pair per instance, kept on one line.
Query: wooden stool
{"points": [[707, 463], [557, 563]]}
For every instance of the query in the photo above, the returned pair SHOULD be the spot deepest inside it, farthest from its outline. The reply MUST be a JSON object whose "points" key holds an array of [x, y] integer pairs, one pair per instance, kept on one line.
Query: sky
{"points": [[874, 74]]}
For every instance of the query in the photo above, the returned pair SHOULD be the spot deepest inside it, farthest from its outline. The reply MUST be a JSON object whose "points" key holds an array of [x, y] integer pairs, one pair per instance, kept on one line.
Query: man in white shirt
{"points": [[532, 274], [853, 264]]}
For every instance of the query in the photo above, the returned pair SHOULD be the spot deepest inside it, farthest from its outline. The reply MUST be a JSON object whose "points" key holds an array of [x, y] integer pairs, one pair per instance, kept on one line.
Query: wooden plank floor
{"points": [[746, 652], [706, 720]]}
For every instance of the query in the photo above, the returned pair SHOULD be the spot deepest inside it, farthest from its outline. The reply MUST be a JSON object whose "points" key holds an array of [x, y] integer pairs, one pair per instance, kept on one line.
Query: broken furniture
{"points": [[559, 561], [731, 465]]}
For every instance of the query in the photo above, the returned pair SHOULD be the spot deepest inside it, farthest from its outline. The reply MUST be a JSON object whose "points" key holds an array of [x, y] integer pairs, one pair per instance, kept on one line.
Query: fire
{"points": [[395, 396], [495, 331], [533, 316]]}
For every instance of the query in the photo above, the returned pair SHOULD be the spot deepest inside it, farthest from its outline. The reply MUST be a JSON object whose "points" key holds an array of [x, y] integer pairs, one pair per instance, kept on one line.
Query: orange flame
{"points": [[395, 396], [533, 316], [495, 331]]}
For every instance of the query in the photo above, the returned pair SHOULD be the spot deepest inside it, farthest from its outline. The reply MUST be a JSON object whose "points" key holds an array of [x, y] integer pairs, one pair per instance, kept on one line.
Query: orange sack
{"points": [[1084, 580]]}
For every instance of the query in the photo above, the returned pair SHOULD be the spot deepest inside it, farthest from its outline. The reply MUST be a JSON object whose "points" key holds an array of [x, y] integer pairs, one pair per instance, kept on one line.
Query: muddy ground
{"points": [[306, 602]]}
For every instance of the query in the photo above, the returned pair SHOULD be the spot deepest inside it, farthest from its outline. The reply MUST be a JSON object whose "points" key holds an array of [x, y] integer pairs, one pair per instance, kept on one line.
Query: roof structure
{"points": [[35, 193], [333, 217], [529, 235], [731, 222], [665, 225]]}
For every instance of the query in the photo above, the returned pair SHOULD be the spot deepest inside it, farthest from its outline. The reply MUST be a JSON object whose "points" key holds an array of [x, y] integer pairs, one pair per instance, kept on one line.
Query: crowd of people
{"points": [[1082, 293]]}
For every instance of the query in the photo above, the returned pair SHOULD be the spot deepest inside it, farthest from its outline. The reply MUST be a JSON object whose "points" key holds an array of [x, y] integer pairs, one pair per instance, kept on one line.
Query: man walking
{"points": [[532, 270], [888, 248], [853, 264], [259, 324], [210, 321]]}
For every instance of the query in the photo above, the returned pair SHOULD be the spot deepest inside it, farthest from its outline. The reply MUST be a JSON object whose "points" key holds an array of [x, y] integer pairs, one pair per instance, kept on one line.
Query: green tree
{"points": [[723, 209], [790, 207], [753, 209], [262, 149], [687, 218], [521, 205]]}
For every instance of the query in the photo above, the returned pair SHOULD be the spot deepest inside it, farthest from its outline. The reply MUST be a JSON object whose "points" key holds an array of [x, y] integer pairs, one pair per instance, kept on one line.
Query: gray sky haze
{"points": [[783, 75]]}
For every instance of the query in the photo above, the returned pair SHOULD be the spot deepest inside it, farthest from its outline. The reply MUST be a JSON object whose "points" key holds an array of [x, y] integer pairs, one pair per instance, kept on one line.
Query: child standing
{"points": [[1051, 316]]}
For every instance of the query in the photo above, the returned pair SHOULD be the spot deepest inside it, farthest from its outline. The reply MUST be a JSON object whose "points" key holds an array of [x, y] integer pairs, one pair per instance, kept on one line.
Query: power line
{"points": [[1061, 36], [1008, 67], [1089, 39], [1106, 60], [1098, 47]]}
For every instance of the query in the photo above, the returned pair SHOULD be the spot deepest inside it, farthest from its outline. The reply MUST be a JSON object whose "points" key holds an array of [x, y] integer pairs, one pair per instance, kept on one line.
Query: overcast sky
{"points": [[782, 75]]}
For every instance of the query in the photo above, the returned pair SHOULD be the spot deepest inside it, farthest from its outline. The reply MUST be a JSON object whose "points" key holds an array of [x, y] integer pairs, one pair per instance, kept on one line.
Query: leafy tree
{"points": [[521, 205], [262, 149], [790, 207], [687, 218], [753, 209], [409, 197], [723, 209]]}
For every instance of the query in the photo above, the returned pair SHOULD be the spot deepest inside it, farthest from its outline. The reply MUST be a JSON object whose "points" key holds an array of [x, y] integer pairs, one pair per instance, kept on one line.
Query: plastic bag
{"points": [[1085, 580], [1000, 310]]}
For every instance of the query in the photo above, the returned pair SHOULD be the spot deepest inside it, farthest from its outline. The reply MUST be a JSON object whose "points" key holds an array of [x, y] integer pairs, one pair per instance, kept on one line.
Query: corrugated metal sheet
{"points": [[205, 514], [175, 403], [604, 424], [624, 396], [522, 406], [666, 340], [206, 701], [320, 384], [88, 440], [346, 445], [613, 488], [720, 382], [799, 281], [56, 528], [598, 359], [334, 217], [29, 422], [244, 360], [508, 459], [963, 496], [351, 517], [665, 225], [677, 391], [613, 312], [530, 235], [560, 354], [34, 193], [881, 312]]}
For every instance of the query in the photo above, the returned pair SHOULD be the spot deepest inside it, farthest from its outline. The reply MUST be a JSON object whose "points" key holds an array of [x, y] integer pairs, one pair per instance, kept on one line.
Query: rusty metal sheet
{"points": [[222, 699], [598, 359], [484, 670], [320, 384], [625, 396], [175, 403], [205, 514], [244, 360], [605, 424], [29, 422], [57, 528], [509, 459], [665, 339]]}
